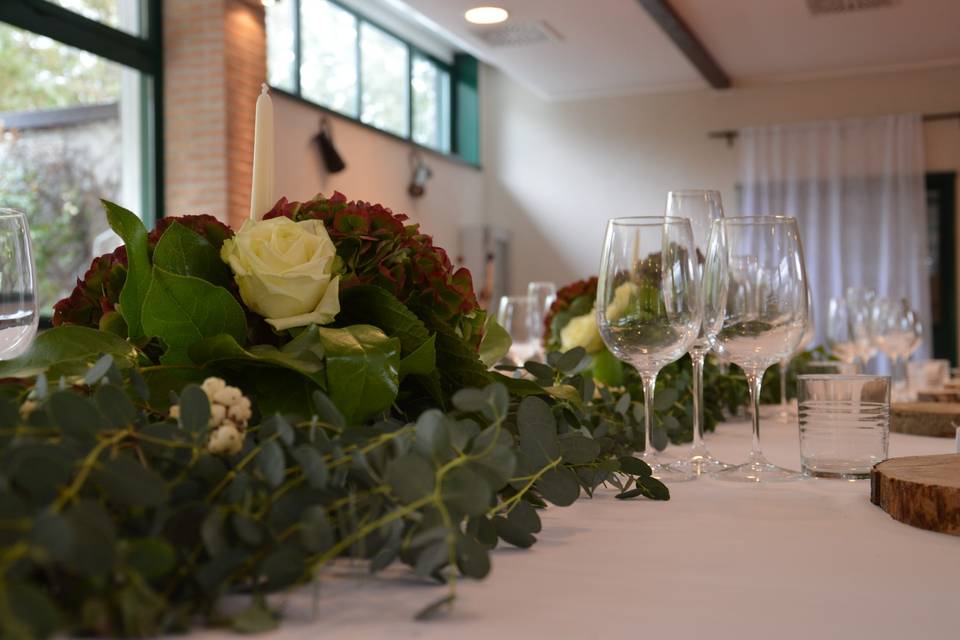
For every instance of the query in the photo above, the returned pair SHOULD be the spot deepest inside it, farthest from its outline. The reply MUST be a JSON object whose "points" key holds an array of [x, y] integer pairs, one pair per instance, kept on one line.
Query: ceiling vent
{"points": [[518, 34], [827, 7]]}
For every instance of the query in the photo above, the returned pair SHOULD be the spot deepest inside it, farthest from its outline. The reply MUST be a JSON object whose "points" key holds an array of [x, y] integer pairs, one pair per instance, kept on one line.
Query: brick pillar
{"points": [[214, 63]]}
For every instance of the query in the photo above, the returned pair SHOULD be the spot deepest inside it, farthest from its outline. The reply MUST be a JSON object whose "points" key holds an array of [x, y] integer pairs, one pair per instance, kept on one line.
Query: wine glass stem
{"points": [[649, 382], [783, 382], [755, 380], [697, 356]]}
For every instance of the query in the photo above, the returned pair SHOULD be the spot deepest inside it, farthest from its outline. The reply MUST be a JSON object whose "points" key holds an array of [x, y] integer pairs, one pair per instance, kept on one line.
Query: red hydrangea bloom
{"points": [[97, 293], [378, 248]]}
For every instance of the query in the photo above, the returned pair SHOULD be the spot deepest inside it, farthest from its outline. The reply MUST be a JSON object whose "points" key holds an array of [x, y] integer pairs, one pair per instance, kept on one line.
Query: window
{"points": [[326, 54], [76, 124]]}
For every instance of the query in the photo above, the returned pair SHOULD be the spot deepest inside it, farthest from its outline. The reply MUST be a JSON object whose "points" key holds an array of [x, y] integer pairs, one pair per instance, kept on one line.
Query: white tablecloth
{"points": [[812, 559]]}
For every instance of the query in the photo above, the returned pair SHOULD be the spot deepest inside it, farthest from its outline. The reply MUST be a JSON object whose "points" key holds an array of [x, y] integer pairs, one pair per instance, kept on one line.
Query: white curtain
{"points": [[857, 190]]}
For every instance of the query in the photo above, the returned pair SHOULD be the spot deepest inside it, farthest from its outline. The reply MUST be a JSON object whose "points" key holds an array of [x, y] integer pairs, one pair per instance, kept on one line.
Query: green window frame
{"points": [[143, 53], [460, 138]]}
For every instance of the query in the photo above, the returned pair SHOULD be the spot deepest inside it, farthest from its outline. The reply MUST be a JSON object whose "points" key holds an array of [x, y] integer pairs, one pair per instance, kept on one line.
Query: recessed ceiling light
{"points": [[486, 15]]}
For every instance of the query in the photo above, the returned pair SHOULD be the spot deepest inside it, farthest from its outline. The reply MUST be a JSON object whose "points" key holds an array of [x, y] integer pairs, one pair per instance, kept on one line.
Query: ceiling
{"points": [[593, 48]]}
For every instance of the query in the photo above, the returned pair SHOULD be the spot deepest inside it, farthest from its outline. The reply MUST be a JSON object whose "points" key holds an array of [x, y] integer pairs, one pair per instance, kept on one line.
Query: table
{"points": [[809, 559]]}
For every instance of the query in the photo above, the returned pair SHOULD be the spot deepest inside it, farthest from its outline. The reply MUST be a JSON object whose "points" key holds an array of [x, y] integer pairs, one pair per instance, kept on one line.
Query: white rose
{"points": [[582, 331], [285, 271], [623, 299], [226, 440]]}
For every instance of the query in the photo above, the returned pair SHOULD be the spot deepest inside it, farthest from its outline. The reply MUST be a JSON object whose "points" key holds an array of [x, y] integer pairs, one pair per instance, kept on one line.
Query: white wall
{"points": [[378, 170], [554, 172]]}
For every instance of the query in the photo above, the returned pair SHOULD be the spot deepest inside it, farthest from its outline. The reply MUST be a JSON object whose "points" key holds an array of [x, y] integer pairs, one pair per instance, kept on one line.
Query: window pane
{"points": [[384, 81], [119, 14], [281, 59], [431, 104], [328, 71], [71, 134]]}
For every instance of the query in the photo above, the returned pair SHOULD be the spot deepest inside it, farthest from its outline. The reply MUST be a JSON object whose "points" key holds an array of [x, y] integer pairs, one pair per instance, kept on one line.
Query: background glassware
{"points": [[894, 326], [19, 316], [808, 336], [515, 315], [860, 315], [840, 339], [542, 295], [844, 424], [648, 308], [828, 367], [755, 309], [701, 207]]}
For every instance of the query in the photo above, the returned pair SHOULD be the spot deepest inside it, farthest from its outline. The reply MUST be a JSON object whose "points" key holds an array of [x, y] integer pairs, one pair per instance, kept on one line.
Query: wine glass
{"points": [[860, 315], [755, 310], [701, 207], [19, 316], [648, 308], [894, 325], [515, 315], [542, 295], [840, 338]]}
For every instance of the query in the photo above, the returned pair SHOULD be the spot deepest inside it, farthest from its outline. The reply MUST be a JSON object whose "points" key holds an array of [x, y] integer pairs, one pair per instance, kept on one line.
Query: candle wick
{"points": [[264, 90]]}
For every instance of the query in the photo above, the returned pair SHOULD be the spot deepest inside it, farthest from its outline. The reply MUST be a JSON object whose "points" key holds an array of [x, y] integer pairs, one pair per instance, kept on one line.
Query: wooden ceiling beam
{"points": [[686, 40]]}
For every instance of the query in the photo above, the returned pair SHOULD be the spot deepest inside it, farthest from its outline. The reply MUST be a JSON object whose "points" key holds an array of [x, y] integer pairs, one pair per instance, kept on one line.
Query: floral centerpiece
{"points": [[219, 412]]}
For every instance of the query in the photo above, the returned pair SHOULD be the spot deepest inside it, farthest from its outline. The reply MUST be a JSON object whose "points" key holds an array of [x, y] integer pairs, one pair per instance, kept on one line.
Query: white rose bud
{"points": [[285, 271], [240, 410], [27, 408], [226, 440], [175, 411], [582, 331], [227, 396]]}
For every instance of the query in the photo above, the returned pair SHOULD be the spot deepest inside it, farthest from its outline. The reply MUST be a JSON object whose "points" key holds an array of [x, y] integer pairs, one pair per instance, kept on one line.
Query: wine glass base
{"points": [[699, 464], [662, 467], [757, 471]]}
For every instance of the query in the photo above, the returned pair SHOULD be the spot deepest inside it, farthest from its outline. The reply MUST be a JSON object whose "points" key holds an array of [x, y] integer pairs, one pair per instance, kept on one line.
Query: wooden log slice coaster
{"points": [[938, 395], [925, 418], [922, 491], [952, 384]]}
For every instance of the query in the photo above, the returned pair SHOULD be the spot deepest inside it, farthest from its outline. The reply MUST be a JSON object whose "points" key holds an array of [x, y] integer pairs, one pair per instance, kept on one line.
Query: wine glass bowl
{"points": [[756, 311], [648, 309], [19, 316], [516, 315]]}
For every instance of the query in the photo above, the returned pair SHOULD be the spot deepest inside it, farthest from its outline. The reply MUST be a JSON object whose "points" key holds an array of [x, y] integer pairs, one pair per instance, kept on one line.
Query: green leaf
{"points": [[257, 618], [52, 532], [665, 398], [316, 533], [66, 350], [635, 466], [578, 449], [422, 361], [466, 492], [472, 558], [432, 558], [483, 529], [559, 486], [184, 310], [411, 477], [115, 406], [573, 361], [76, 415], [194, 409], [129, 227], [31, 608], [512, 533], [153, 558], [283, 567], [607, 369], [98, 370], [433, 435], [495, 344], [653, 488], [248, 530], [538, 431], [224, 350], [128, 483], [185, 252], [362, 370], [271, 463], [312, 465], [525, 516], [277, 424], [93, 537], [327, 411]]}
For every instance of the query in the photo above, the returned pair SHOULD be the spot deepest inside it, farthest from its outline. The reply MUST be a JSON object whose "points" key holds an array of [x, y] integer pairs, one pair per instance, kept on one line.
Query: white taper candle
{"points": [[261, 194]]}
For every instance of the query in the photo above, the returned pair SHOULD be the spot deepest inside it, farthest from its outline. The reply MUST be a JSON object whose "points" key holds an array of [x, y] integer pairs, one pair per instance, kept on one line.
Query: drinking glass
{"points": [[542, 295], [701, 207], [515, 315], [840, 338], [19, 316], [807, 339], [844, 424], [755, 310], [648, 308]]}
